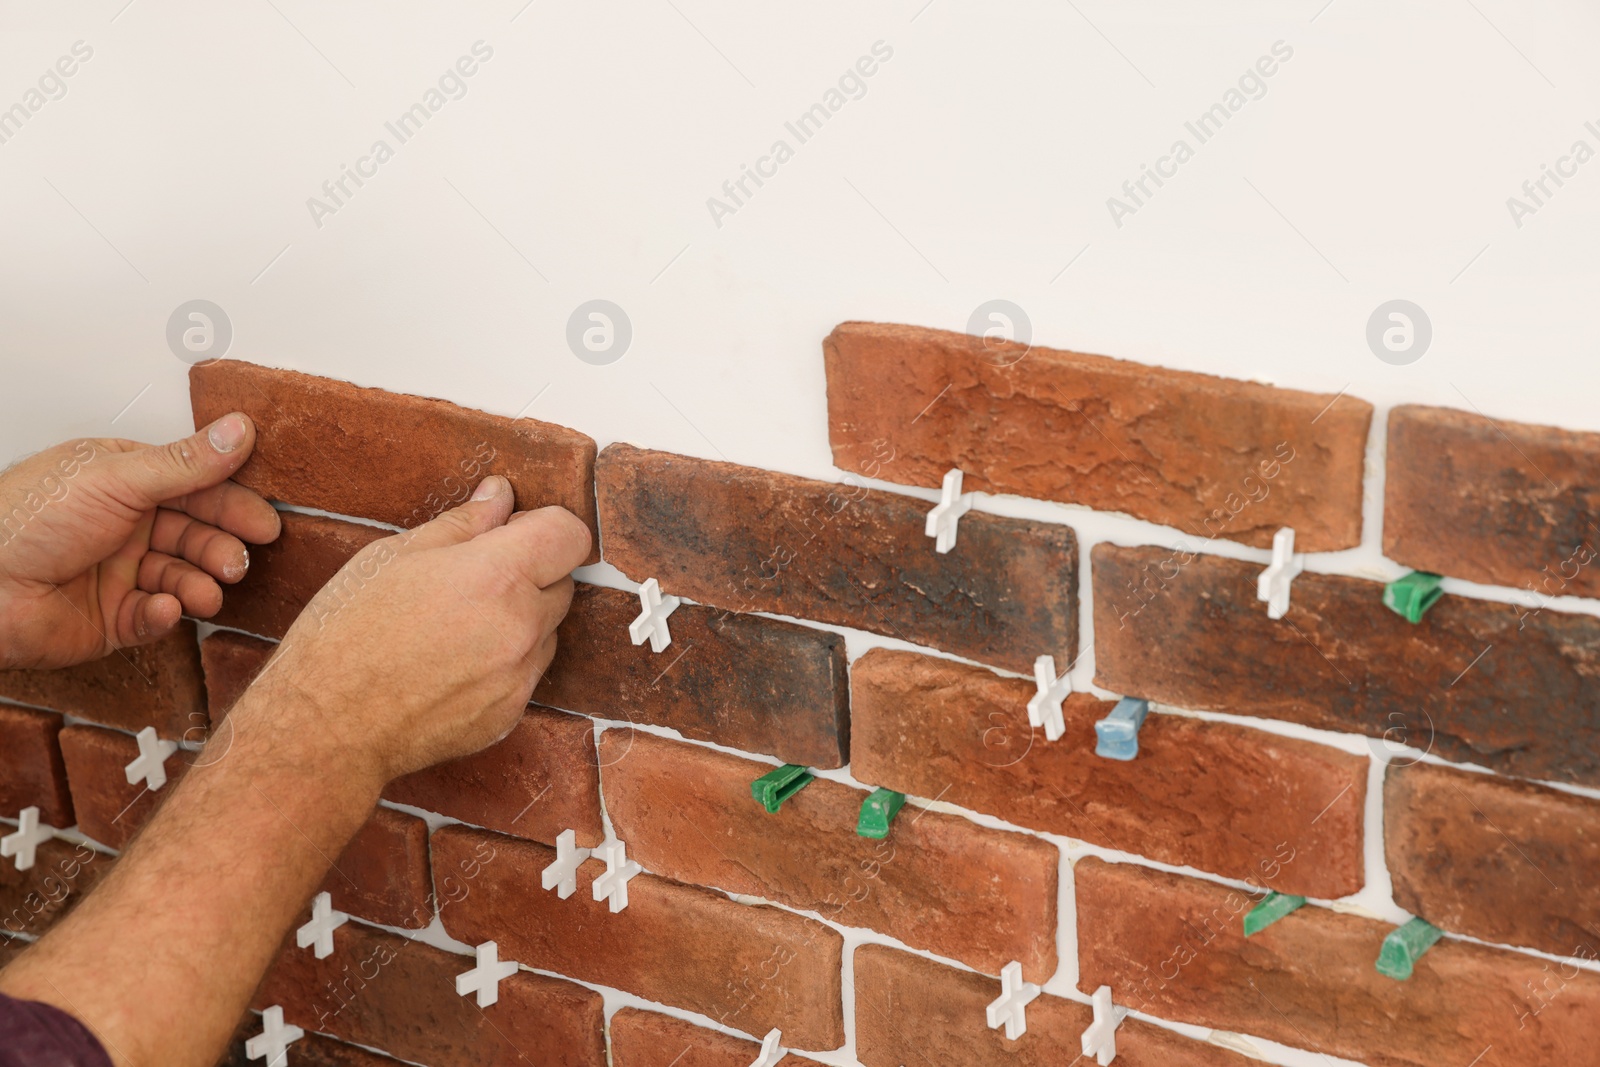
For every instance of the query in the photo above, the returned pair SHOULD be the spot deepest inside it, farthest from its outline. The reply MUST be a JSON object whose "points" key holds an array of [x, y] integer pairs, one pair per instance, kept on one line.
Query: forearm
{"points": [[162, 959]]}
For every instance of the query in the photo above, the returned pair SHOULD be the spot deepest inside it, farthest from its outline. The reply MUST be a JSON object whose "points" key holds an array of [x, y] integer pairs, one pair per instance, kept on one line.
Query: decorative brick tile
{"points": [[937, 882], [31, 769], [745, 539], [742, 681], [285, 575], [231, 661], [158, 685], [1503, 503], [1175, 947], [312, 1050], [911, 1010], [1279, 813], [396, 994], [1495, 859], [386, 456], [750, 967], [110, 810], [646, 1039], [382, 874], [1190, 632], [1214, 457]]}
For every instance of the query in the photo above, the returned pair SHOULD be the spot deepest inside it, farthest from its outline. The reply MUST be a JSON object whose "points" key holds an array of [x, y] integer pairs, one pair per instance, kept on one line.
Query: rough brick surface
{"points": [[109, 809], [396, 994], [1194, 635], [737, 680], [158, 685], [747, 966], [937, 882], [286, 574], [312, 1050], [231, 662], [1211, 456], [382, 874], [31, 770], [540, 780], [647, 1039], [1280, 813], [386, 456], [31, 900], [1503, 503], [1175, 947], [1498, 860], [913, 1011], [751, 540]]}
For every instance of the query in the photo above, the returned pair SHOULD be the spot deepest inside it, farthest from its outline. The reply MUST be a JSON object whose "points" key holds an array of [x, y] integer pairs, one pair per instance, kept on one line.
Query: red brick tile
{"points": [[393, 993], [937, 882], [383, 875], [745, 539], [540, 780], [749, 967], [1242, 803], [908, 1007], [647, 1039], [231, 661], [398, 459], [62, 873], [158, 685], [1210, 456], [1503, 503], [286, 574], [312, 1050], [1192, 634], [31, 770], [109, 809], [1493, 858], [1175, 947], [742, 681]]}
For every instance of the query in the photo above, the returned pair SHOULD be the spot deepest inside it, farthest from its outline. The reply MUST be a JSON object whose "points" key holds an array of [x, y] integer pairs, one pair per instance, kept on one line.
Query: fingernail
{"points": [[227, 433], [235, 571], [489, 488]]}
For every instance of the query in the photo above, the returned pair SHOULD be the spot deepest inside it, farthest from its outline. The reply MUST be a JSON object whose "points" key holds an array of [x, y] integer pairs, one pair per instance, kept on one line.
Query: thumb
{"points": [[489, 507], [153, 473]]}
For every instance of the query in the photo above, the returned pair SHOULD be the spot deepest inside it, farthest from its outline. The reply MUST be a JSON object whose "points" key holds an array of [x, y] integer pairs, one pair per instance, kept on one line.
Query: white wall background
{"points": [[1377, 165]]}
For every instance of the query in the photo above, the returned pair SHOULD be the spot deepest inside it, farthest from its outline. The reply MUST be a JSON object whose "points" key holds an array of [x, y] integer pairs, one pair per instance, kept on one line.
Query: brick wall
{"points": [[1447, 769]]}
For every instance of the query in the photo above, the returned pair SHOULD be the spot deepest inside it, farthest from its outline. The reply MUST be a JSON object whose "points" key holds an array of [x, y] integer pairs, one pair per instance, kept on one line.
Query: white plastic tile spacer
{"points": [[1015, 996], [1100, 1040], [652, 620], [485, 978], [1273, 585], [152, 762], [30, 834], [319, 931], [619, 870], [562, 875], [1044, 709], [953, 504], [273, 1042], [771, 1051]]}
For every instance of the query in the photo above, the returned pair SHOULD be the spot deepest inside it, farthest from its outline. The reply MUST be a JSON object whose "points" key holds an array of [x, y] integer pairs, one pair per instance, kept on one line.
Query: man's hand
{"points": [[105, 543], [425, 647]]}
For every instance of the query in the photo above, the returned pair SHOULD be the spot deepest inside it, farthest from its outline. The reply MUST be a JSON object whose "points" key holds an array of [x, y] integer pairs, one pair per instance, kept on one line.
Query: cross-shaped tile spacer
{"points": [[771, 1051], [25, 842], [319, 931], [1100, 1040], [652, 620], [953, 504], [562, 875], [485, 978], [274, 1040], [1045, 707], [152, 762], [1273, 585], [1015, 996], [619, 869]]}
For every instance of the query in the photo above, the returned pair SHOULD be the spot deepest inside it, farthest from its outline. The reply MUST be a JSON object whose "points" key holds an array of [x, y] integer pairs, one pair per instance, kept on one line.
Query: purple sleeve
{"points": [[38, 1035]]}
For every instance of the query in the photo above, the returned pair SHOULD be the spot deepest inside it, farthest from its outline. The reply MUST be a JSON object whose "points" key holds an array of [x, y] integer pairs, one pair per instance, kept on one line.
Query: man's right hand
{"points": [[426, 646]]}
